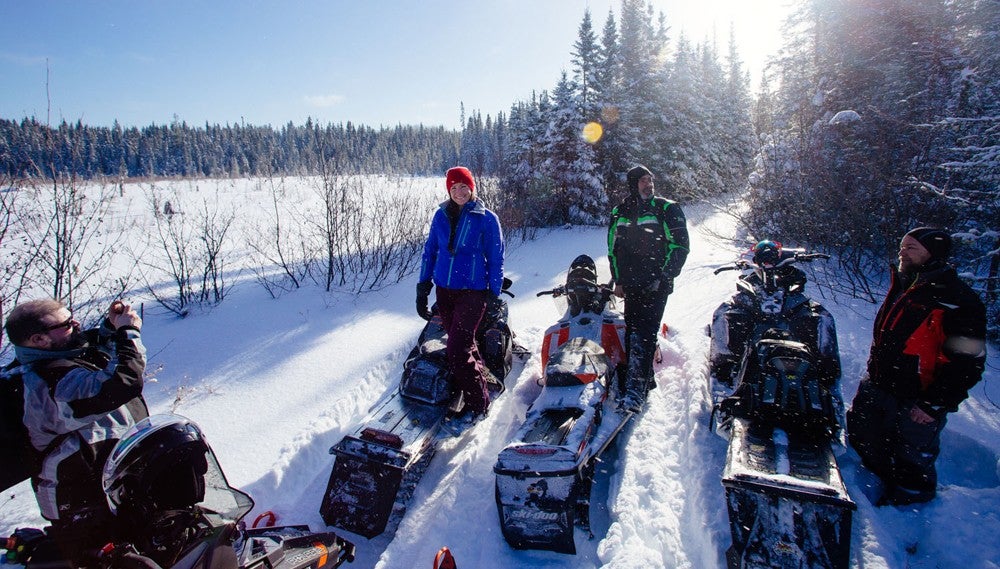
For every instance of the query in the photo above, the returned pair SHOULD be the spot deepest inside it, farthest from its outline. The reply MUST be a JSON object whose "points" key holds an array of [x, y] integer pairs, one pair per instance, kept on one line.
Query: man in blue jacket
{"points": [[463, 256]]}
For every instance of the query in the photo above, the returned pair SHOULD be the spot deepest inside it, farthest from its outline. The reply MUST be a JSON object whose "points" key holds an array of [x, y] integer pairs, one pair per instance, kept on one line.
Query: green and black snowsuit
{"points": [[647, 247], [647, 242]]}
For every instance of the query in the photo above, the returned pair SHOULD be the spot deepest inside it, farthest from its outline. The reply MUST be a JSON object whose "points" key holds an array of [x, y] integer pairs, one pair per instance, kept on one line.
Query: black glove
{"points": [[493, 302], [423, 291]]}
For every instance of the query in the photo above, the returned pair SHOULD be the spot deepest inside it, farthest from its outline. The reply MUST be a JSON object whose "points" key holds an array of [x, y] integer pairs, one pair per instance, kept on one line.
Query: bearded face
{"points": [[912, 255]]}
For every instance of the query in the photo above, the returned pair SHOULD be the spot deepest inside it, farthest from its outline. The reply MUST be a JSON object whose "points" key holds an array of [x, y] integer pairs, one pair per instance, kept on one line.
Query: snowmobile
{"points": [[774, 372], [544, 475], [377, 466], [173, 508]]}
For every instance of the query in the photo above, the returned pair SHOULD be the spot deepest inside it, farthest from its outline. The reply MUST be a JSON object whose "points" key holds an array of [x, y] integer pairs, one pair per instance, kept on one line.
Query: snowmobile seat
{"points": [[779, 385], [578, 361]]}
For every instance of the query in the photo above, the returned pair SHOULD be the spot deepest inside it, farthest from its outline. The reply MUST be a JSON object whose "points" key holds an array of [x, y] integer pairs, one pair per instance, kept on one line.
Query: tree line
{"points": [[648, 105], [31, 149]]}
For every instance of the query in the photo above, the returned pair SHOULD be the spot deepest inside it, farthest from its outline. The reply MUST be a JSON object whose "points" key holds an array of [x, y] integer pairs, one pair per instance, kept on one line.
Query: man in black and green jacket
{"points": [[647, 246]]}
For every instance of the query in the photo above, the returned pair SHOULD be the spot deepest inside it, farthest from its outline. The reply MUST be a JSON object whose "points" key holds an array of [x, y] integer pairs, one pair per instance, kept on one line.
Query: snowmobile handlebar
{"points": [[743, 264], [735, 266], [505, 287], [808, 257], [561, 290]]}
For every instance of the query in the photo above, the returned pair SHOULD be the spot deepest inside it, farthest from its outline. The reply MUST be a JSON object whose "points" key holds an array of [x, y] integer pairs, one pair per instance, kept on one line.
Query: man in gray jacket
{"points": [[82, 391]]}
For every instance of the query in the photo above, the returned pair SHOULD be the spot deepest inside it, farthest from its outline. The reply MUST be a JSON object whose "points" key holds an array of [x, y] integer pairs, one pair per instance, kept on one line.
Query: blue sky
{"points": [[373, 62]]}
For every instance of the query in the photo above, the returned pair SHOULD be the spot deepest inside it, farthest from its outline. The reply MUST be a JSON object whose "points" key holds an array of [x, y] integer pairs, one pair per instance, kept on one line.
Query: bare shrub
{"points": [[186, 249], [367, 231], [279, 255], [170, 256]]}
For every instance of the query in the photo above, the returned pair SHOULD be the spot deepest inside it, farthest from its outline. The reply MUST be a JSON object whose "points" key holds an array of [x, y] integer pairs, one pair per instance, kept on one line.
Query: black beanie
{"points": [[936, 241], [633, 177]]}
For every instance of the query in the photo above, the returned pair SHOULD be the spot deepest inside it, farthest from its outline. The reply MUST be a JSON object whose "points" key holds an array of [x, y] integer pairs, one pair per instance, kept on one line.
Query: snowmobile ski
{"points": [[444, 559]]}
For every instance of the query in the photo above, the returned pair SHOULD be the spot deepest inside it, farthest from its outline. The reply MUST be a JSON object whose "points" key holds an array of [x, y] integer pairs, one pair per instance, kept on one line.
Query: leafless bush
{"points": [[76, 247], [186, 247], [170, 253], [18, 255], [278, 252], [367, 231], [517, 220], [214, 224], [390, 242]]}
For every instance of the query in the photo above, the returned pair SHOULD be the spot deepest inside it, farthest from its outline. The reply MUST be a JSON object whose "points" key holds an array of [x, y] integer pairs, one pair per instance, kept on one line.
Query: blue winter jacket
{"points": [[472, 258]]}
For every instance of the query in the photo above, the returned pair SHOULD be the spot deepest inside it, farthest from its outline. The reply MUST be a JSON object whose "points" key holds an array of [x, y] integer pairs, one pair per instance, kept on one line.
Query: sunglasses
{"points": [[65, 325]]}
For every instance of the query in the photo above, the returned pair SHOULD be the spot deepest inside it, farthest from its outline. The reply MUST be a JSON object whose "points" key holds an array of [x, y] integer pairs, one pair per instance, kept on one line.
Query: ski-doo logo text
{"points": [[534, 515]]}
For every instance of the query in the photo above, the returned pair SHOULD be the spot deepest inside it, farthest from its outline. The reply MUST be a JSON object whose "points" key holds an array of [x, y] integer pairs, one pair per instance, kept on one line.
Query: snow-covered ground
{"points": [[275, 383]]}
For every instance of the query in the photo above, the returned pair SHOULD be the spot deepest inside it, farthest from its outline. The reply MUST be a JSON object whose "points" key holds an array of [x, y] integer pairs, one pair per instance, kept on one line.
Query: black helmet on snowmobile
{"points": [[581, 287], [163, 464], [766, 253]]}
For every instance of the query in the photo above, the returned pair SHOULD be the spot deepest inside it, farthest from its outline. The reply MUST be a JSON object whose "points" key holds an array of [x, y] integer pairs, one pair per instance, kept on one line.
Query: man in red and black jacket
{"points": [[928, 350]]}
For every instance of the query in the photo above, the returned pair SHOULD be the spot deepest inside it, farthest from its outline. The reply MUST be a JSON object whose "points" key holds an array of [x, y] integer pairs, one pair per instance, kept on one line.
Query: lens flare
{"points": [[592, 132]]}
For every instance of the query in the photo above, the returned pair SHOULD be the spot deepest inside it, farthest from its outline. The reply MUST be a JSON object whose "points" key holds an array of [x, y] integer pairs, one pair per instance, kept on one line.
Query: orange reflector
{"points": [[322, 554]]}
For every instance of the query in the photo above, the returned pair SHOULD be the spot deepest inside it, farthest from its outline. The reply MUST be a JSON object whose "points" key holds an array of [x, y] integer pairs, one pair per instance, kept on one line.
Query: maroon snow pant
{"points": [[461, 311]]}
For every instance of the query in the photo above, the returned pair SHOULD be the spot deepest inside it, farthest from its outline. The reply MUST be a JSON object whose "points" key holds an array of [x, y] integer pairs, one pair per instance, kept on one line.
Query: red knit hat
{"points": [[459, 174]]}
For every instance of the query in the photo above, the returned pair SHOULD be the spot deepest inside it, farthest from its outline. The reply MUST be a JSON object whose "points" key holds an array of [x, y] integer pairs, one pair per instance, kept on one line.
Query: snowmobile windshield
{"points": [[164, 463], [222, 499]]}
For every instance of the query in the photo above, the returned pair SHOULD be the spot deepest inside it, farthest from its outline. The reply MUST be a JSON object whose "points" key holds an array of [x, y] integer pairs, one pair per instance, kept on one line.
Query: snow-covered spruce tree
{"points": [[967, 173], [640, 51], [737, 143], [611, 151], [522, 188], [568, 162], [586, 62], [474, 151], [878, 120], [681, 162]]}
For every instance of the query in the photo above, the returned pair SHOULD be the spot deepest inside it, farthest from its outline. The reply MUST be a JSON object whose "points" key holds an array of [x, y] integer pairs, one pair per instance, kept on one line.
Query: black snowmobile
{"points": [[174, 509], [774, 369], [377, 467], [544, 475]]}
